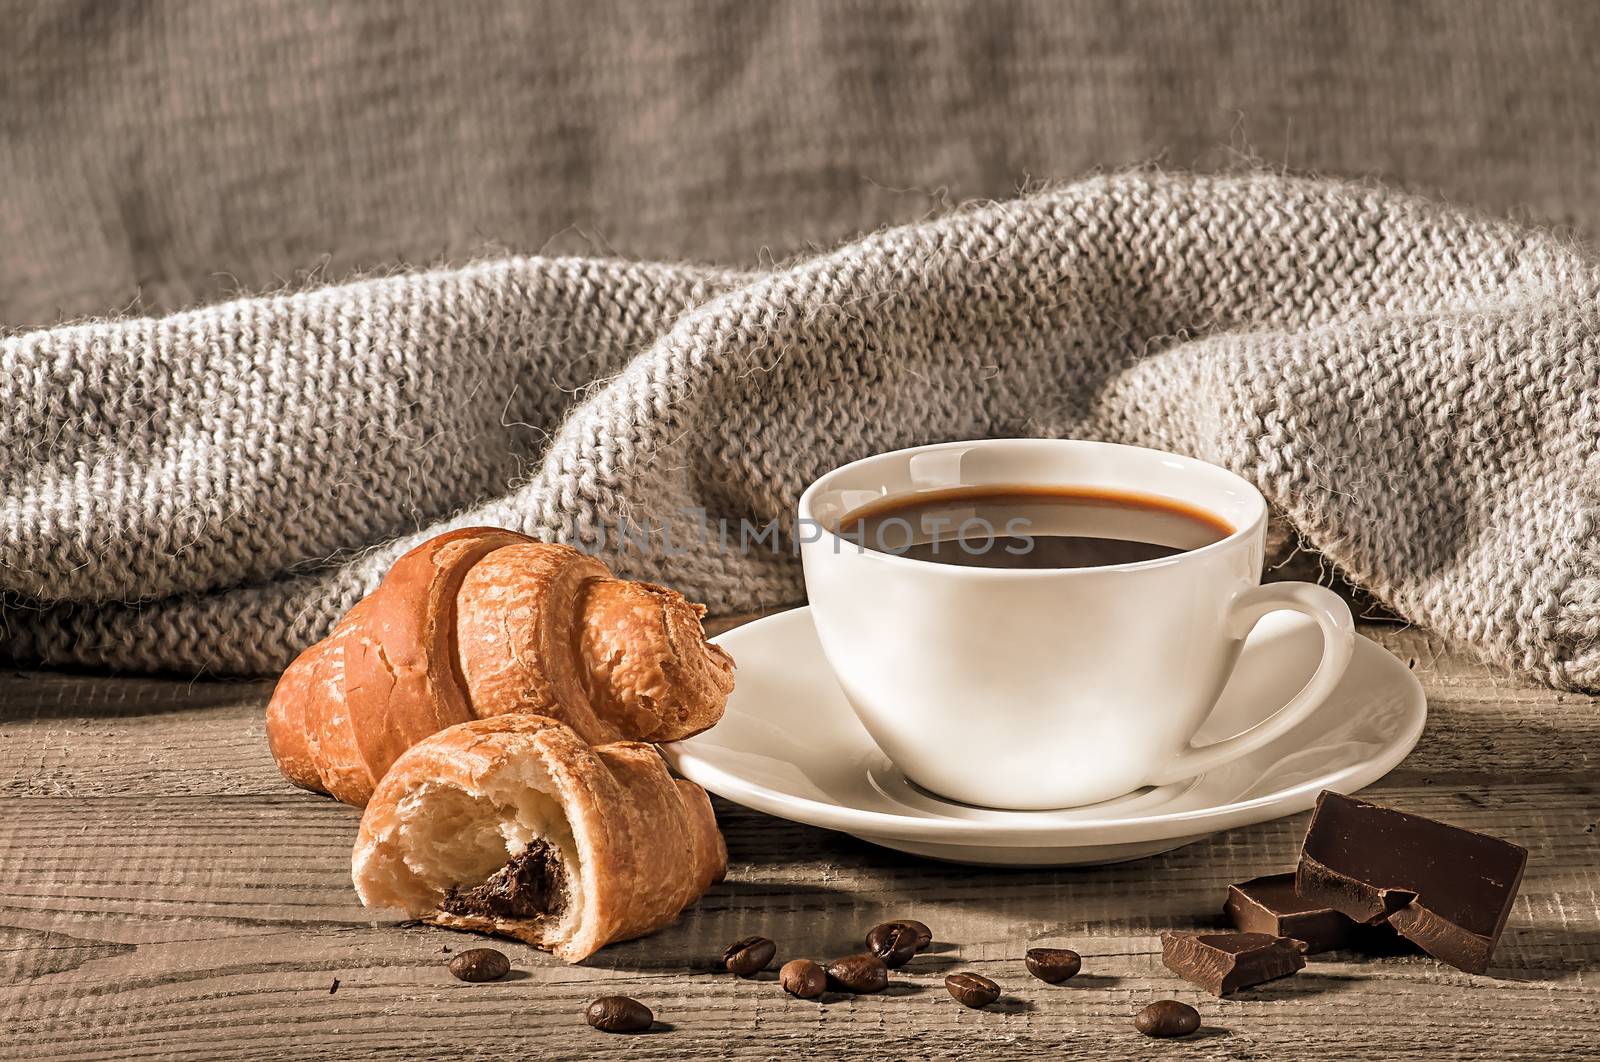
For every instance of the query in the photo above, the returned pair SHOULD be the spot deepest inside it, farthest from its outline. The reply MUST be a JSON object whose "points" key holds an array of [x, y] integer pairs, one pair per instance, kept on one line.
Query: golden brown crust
{"points": [[640, 845], [400, 678], [516, 620], [383, 679], [286, 726], [480, 622], [670, 868], [649, 665], [329, 733]]}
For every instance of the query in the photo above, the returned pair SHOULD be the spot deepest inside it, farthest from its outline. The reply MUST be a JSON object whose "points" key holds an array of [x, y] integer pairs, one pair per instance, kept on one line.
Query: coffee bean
{"points": [[893, 942], [803, 978], [749, 956], [924, 934], [1167, 1017], [858, 973], [1053, 965], [480, 964], [618, 1014], [972, 989]]}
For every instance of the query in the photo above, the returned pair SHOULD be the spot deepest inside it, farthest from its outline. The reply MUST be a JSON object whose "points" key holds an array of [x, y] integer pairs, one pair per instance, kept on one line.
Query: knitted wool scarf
{"points": [[1416, 389]]}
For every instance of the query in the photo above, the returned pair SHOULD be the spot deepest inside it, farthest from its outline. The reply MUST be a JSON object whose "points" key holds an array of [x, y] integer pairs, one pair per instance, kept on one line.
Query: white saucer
{"points": [[790, 746]]}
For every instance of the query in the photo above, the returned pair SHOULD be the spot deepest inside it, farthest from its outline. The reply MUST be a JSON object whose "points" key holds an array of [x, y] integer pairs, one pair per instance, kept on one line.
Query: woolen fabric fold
{"points": [[1412, 386]]}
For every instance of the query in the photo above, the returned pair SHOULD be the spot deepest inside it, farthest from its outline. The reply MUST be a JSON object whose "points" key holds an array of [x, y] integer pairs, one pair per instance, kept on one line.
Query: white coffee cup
{"points": [[1049, 688]]}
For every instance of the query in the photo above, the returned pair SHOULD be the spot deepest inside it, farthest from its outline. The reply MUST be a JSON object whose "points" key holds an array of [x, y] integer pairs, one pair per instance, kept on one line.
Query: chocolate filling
{"points": [[531, 884]]}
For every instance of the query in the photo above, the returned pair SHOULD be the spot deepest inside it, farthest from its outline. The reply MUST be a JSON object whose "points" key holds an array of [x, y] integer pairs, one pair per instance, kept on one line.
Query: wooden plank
{"points": [[165, 895], [234, 915]]}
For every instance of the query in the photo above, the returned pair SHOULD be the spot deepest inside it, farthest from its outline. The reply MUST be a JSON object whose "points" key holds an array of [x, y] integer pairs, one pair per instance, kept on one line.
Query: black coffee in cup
{"points": [[1025, 526]]}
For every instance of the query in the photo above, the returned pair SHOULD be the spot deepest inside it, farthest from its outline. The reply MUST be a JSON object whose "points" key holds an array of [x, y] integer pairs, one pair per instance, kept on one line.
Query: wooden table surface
{"points": [[166, 894]]}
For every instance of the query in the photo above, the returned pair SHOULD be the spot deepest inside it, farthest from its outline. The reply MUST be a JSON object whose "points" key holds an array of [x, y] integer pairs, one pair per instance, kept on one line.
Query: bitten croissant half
{"points": [[512, 825], [482, 622]]}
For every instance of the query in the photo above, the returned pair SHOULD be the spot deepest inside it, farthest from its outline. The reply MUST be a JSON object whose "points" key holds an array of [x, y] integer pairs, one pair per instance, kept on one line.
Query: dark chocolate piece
{"points": [[532, 883], [1447, 889], [1223, 963], [1270, 905]]}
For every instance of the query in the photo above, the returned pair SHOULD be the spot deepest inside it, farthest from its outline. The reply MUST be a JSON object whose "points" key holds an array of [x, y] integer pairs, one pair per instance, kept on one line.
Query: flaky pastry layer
{"points": [[622, 846]]}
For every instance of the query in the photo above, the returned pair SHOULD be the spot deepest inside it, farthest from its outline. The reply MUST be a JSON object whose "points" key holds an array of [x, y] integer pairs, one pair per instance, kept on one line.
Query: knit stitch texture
{"points": [[1414, 387]]}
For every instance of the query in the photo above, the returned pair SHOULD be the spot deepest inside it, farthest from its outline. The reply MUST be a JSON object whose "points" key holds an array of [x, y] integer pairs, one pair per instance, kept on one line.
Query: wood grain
{"points": [[165, 895]]}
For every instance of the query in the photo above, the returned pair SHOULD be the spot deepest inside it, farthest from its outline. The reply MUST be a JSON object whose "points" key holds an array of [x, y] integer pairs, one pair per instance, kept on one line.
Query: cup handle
{"points": [[1244, 612]]}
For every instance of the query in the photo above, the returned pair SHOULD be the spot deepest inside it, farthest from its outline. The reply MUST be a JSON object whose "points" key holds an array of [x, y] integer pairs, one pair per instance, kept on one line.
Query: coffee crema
{"points": [[1031, 526]]}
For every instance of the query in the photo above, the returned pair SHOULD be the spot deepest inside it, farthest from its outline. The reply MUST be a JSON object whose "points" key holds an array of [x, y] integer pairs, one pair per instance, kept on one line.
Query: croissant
{"points": [[482, 622], [512, 825]]}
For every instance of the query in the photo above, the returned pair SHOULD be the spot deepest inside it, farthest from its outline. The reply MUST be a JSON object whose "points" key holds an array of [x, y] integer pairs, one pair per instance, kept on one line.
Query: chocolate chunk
{"points": [[1447, 889], [1223, 963], [1270, 905], [532, 883]]}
